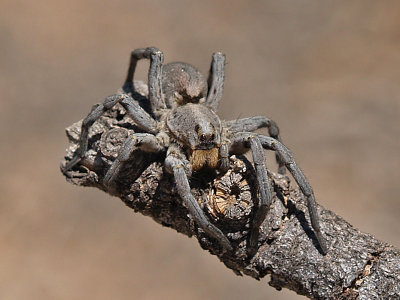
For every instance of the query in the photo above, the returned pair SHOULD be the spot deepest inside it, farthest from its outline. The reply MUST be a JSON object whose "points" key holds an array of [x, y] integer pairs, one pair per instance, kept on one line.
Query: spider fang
{"points": [[205, 158]]}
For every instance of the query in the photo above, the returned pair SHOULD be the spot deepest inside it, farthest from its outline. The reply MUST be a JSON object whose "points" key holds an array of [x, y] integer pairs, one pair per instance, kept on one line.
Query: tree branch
{"points": [[357, 265]]}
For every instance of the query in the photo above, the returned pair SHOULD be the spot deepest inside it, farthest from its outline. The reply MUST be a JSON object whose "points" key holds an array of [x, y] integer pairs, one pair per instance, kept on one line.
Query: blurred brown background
{"points": [[328, 72]]}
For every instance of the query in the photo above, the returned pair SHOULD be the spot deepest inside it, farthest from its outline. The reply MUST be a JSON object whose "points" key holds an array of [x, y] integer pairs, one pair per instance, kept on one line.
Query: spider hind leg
{"points": [[154, 77], [216, 79]]}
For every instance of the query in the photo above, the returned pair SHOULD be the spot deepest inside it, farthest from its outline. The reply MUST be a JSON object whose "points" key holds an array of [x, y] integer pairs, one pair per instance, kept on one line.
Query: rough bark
{"points": [[356, 266]]}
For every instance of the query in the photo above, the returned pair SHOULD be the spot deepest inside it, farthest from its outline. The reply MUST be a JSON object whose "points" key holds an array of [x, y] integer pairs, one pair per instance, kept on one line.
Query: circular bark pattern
{"points": [[231, 198], [112, 140]]}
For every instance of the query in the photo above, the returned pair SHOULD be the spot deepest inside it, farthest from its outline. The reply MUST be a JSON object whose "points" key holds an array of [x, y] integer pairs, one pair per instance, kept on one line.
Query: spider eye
{"points": [[213, 136], [202, 137], [197, 128]]}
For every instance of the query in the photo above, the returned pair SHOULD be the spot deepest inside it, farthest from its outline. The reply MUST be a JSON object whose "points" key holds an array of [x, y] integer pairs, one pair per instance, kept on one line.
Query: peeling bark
{"points": [[357, 266]]}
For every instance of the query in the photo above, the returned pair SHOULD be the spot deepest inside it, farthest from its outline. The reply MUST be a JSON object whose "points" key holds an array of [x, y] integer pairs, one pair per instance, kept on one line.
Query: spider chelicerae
{"points": [[183, 126]]}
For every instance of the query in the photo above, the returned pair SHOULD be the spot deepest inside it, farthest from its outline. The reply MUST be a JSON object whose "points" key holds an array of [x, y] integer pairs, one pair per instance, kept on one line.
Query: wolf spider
{"points": [[183, 125]]}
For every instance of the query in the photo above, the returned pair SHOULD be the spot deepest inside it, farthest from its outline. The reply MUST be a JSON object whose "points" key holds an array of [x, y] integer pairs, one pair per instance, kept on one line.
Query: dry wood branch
{"points": [[357, 265]]}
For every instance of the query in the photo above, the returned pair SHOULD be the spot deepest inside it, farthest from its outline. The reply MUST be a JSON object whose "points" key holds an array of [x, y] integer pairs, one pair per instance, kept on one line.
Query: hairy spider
{"points": [[183, 125]]}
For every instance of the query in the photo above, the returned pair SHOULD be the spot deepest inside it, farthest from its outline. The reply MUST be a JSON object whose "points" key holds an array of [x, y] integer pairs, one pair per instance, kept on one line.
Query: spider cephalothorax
{"points": [[199, 130], [183, 126]]}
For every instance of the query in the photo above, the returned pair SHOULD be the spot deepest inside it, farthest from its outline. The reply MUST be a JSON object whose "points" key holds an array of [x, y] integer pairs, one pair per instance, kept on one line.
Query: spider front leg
{"points": [[143, 141], [263, 188], [154, 77], [253, 142], [216, 79], [142, 119], [239, 144], [224, 157], [224, 152], [253, 123], [288, 159], [175, 166]]}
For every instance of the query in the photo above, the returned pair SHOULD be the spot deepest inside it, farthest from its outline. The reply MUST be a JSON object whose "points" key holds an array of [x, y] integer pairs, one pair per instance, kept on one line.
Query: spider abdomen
{"points": [[182, 83]]}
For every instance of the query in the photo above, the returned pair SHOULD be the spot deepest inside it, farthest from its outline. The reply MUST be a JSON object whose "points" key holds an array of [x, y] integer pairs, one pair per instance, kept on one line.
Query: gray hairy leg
{"points": [[141, 118], [224, 153], [176, 167], [143, 141], [263, 187], [288, 159], [154, 77], [224, 157], [216, 79], [245, 141], [253, 123]]}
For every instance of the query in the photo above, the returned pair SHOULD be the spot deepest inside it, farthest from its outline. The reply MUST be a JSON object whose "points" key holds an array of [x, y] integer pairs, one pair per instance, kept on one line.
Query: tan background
{"points": [[328, 72]]}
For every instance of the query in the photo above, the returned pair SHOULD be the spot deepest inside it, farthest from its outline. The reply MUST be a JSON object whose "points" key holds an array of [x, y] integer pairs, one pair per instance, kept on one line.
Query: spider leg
{"points": [[253, 123], [138, 114], [298, 175], [263, 188], [224, 152], [216, 79], [176, 167], [141, 118], [144, 141], [288, 159], [224, 157], [154, 78], [252, 141]]}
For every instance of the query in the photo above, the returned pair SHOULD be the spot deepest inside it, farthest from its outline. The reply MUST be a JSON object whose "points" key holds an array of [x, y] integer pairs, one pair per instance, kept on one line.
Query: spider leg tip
{"points": [[70, 164]]}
